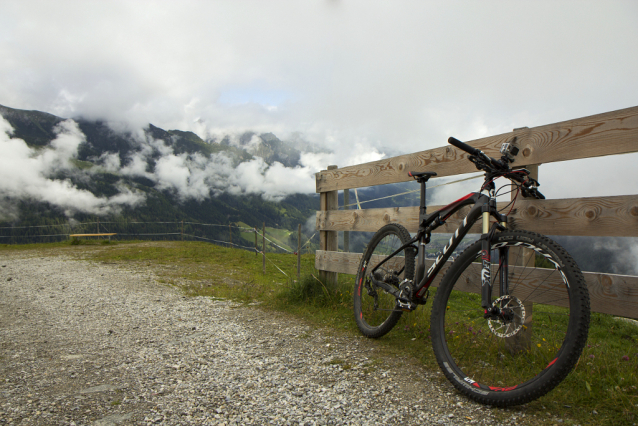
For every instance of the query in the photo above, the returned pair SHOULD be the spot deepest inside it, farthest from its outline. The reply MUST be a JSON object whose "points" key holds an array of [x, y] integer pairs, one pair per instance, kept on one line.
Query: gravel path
{"points": [[84, 343]]}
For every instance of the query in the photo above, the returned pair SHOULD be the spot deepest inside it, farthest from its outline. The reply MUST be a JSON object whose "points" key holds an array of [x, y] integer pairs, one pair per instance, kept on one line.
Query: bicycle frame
{"points": [[484, 207]]}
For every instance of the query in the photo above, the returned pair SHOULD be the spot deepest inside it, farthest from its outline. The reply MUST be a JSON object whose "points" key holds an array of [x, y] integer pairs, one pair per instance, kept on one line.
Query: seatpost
{"points": [[422, 205], [420, 270]]}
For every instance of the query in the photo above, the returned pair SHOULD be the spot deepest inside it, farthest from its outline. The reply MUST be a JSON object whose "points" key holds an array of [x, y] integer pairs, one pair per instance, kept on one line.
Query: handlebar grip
{"points": [[463, 146]]}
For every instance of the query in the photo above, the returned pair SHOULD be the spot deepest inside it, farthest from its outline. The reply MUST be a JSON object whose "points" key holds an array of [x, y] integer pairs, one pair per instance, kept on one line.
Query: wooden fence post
{"points": [[329, 240], [263, 247], [256, 246]]}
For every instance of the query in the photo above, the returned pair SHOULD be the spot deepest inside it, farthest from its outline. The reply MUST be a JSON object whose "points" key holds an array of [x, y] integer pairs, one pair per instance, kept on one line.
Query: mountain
{"points": [[174, 176], [105, 158], [34, 127]]}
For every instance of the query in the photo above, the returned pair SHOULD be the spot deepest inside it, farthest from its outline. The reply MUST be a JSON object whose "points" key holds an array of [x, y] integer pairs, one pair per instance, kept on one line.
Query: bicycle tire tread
{"points": [[567, 360], [393, 318]]}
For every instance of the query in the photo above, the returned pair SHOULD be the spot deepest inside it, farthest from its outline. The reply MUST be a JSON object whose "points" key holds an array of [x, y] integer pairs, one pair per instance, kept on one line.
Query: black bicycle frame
{"points": [[483, 204]]}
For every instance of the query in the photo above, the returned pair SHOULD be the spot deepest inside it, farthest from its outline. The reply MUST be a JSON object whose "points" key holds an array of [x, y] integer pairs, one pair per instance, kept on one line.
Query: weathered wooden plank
{"points": [[609, 293], [348, 263], [341, 262], [615, 216], [610, 133], [370, 220], [446, 161], [613, 294]]}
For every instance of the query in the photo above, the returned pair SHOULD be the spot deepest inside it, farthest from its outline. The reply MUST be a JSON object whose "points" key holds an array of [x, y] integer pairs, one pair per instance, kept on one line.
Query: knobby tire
{"points": [[513, 360]]}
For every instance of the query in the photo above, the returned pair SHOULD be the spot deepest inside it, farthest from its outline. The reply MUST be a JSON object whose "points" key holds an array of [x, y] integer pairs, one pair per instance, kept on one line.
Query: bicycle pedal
{"points": [[406, 306]]}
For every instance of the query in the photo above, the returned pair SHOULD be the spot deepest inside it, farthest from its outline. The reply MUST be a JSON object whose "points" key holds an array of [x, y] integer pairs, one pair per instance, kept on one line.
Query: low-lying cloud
{"points": [[27, 173], [44, 174], [196, 176]]}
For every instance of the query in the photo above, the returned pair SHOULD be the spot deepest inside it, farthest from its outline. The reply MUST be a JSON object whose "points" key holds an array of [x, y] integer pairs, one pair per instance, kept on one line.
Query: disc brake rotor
{"points": [[511, 318]]}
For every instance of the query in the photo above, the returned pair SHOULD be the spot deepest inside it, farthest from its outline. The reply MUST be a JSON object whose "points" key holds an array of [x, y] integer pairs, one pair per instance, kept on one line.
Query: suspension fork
{"points": [[503, 255], [503, 267], [486, 279]]}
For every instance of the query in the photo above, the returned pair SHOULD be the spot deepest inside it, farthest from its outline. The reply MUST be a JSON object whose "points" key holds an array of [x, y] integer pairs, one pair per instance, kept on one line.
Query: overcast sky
{"points": [[363, 78]]}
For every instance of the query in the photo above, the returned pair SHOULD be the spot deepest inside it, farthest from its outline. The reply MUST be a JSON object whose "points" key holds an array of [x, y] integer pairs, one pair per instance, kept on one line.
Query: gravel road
{"points": [[85, 343]]}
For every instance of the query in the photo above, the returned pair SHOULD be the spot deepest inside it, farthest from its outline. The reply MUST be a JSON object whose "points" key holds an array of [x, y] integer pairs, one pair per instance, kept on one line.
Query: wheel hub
{"points": [[507, 316]]}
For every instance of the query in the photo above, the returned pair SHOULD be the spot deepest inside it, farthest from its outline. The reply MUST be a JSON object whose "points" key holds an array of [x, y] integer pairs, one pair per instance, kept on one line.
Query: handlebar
{"points": [[483, 162], [477, 153], [464, 147]]}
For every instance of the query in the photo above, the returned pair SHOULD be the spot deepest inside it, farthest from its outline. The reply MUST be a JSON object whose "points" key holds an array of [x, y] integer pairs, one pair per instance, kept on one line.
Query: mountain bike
{"points": [[481, 324]]}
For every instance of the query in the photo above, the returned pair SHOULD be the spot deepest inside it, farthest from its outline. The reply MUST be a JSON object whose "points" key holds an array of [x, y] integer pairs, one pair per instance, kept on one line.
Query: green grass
{"points": [[605, 380]]}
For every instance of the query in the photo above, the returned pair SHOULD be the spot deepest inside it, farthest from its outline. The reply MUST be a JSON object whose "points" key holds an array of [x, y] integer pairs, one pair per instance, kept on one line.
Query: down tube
{"points": [[462, 230]]}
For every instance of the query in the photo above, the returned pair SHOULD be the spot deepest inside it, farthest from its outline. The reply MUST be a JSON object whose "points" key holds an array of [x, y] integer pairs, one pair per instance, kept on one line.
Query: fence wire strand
{"points": [[358, 203]]}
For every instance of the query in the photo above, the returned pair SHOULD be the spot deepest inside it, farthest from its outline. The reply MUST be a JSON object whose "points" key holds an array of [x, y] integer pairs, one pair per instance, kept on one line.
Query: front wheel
{"points": [[510, 359], [375, 310]]}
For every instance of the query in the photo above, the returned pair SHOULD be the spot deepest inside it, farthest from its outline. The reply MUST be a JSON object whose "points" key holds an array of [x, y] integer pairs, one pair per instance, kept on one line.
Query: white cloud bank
{"points": [[400, 75], [357, 77], [26, 173], [31, 174], [195, 176]]}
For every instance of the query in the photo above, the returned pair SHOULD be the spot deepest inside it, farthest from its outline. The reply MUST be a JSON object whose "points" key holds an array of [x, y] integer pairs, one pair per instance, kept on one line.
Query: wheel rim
{"points": [[376, 304], [505, 354]]}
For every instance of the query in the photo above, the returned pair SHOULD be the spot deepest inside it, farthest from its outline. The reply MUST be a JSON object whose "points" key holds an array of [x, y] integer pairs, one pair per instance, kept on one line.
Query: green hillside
{"points": [[37, 130]]}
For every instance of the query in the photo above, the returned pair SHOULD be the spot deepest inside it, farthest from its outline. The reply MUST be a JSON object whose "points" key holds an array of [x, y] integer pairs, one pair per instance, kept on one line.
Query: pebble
{"points": [[85, 343]]}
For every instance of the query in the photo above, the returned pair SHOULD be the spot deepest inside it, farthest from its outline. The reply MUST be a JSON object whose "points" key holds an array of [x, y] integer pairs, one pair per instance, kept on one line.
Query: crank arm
{"points": [[389, 289]]}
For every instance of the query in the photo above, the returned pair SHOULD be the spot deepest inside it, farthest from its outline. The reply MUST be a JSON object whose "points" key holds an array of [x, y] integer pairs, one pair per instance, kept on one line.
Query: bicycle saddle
{"points": [[422, 176]]}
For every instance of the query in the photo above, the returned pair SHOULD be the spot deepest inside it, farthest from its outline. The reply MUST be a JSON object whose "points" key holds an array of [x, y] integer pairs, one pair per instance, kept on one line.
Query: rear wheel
{"points": [[509, 359], [375, 310]]}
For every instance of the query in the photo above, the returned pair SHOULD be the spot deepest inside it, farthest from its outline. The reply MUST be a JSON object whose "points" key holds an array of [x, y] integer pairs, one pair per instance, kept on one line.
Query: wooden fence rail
{"points": [[610, 133]]}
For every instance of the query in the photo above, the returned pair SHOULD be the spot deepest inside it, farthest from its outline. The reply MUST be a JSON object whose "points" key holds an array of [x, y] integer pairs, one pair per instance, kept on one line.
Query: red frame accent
{"points": [[454, 203]]}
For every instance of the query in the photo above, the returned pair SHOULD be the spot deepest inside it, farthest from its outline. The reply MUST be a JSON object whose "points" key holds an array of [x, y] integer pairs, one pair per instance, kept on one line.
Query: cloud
{"points": [[26, 173], [363, 80], [275, 182], [194, 176], [401, 75]]}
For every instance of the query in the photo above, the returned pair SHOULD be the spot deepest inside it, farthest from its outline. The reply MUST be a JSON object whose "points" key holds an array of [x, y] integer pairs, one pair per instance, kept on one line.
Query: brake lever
{"points": [[532, 192]]}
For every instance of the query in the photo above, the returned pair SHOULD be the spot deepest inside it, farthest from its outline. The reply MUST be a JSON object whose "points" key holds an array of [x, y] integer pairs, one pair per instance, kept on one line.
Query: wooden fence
{"points": [[599, 135]]}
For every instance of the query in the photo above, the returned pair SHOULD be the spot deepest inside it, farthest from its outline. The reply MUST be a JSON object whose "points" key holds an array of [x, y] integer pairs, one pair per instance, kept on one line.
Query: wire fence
{"points": [[227, 235]]}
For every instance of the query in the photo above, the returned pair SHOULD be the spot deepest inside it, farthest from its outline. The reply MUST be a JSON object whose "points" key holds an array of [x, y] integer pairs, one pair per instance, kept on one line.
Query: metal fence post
{"points": [[299, 251]]}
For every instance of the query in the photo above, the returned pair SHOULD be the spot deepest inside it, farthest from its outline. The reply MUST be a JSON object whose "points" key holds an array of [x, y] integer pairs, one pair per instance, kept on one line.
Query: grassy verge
{"points": [[602, 389]]}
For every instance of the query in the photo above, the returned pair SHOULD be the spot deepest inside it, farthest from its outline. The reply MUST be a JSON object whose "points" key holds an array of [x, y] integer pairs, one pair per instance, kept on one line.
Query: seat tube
{"points": [[420, 270], [486, 281]]}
